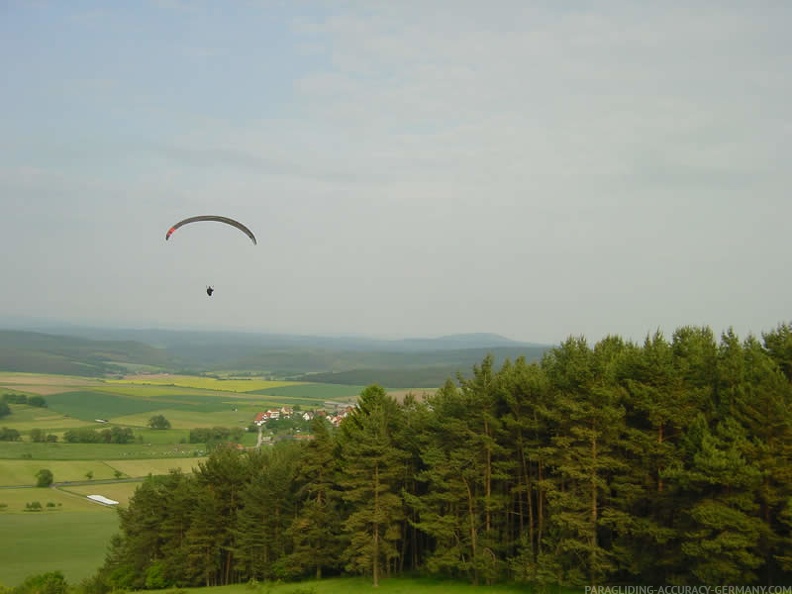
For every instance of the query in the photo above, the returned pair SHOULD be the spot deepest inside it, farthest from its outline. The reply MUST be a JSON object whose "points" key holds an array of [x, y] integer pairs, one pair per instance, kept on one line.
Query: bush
{"points": [[45, 583], [7, 434], [44, 478], [155, 577], [159, 422], [86, 435], [37, 401], [41, 436]]}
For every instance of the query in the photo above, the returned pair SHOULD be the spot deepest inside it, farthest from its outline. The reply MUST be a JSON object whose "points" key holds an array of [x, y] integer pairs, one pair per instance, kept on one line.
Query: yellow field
{"points": [[147, 390], [202, 383]]}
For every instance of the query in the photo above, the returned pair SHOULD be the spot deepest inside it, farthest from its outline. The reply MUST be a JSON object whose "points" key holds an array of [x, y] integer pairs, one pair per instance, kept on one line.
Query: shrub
{"points": [[37, 401], [44, 478], [45, 583]]}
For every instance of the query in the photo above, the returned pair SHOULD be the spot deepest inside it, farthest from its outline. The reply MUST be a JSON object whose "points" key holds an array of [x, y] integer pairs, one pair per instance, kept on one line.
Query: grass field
{"points": [[23, 472], [19, 473], [90, 405], [25, 450], [183, 420], [74, 542], [65, 503], [73, 533], [364, 586], [142, 468], [121, 492], [23, 418]]}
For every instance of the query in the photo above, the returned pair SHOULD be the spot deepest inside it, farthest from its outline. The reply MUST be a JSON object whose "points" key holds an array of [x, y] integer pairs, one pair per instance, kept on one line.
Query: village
{"points": [[293, 421]]}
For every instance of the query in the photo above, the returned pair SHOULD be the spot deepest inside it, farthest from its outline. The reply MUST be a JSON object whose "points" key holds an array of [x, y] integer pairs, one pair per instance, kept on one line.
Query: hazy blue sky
{"points": [[535, 169]]}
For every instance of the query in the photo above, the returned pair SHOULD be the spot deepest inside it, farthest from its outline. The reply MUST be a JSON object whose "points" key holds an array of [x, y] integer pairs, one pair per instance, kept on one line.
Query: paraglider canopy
{"points": [[215, 218]]}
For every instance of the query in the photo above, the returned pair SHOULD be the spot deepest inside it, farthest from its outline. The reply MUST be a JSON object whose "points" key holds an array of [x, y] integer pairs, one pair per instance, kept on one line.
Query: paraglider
{"points": [[215, 218]]}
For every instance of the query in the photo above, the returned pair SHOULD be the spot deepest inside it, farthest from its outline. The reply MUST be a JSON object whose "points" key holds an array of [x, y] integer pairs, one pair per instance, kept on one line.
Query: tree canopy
{"points": [[665, 462]]}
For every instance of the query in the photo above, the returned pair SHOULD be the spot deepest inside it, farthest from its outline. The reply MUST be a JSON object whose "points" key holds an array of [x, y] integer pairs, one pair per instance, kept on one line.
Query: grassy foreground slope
{"points": [[70, 533], [358, 585]]}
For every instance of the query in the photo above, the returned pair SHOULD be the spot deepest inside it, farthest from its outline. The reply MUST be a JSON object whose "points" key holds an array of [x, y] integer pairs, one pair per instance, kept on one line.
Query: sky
{"points": [[536, 169]]}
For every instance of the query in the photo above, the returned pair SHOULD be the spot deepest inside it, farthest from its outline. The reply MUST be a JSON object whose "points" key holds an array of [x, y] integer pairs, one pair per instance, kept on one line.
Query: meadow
{"points": [[354, 585], [72, 534]]}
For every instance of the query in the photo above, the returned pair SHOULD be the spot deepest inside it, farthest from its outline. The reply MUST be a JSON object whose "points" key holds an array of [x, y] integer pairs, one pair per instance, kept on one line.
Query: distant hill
{"points": [[37, 352], [417, 362]]}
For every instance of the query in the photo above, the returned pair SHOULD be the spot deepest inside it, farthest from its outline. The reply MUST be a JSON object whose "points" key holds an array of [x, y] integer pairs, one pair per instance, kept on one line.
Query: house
{"points": [[263, 417]]}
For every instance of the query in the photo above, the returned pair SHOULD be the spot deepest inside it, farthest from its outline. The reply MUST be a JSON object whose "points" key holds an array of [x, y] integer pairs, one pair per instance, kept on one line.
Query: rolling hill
{"points": [[404, 363]]}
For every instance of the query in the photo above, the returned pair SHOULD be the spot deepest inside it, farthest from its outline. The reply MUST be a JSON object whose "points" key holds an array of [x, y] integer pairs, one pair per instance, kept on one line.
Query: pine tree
{"points": [[223, 477], [525, 391], [715, 489], [315, 531], [589, 422], [267, 505], [372, 477]]}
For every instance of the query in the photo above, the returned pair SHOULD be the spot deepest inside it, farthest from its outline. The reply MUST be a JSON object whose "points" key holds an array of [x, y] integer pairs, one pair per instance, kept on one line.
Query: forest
{"points": [[662, 462]]}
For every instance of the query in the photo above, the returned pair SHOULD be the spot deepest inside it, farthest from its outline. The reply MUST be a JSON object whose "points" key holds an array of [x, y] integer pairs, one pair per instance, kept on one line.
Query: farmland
{"points": [[202, 382], [111, 469], [122, 384]]}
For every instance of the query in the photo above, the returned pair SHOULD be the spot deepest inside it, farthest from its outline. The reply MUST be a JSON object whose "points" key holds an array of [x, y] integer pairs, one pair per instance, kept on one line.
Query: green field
{"points": [[189, 419], [24, 418], [354, 585], [142, 468], [121, 492], [65, 503], [19, 473], [91, 405], [73, 533], [23, 472], [25, 450], [73, 542]]}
